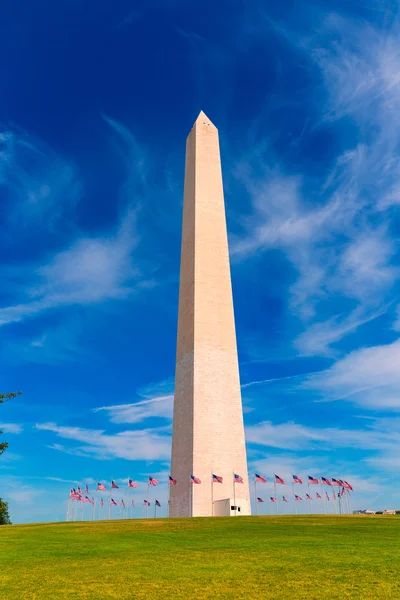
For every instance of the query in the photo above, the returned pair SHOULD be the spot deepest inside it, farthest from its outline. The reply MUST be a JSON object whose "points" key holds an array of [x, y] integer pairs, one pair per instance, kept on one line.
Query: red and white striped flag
{"points": [[279, 479], [194, 479], [101, 487], [153, 481], [114, 486], [132, 484], [217, 478], [172, 480], [237, 478]]}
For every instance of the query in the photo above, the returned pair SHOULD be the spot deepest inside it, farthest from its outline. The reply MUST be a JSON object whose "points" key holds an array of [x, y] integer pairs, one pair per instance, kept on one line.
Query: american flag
{"points": [[284, 499], [297, 479], [114, 485], [334, 495], [101, 487], [312, 479], [153, 481], [146, 503], [158, 504], [347, 486], [297, 498], [112, 501], [308, 497], [326, 481], [272, 499], [86, 489], [319, 497], [172, 481], [86, 499], [194, 479], [260, 478], [217, 478], [237, 478], [79, 491], [260, 500], [102, 502], [132, 484], [122, 503], [335, 482], [327, 497], [279, 479]]}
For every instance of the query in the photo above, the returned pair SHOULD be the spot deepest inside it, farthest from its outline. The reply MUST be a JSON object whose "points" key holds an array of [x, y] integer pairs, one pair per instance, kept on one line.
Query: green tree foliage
{"points": [[5, 398], [4, 516]]}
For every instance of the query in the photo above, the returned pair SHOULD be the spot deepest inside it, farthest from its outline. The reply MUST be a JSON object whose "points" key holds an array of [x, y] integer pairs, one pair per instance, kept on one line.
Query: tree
{"points": [[5, 398], [4, 516]]}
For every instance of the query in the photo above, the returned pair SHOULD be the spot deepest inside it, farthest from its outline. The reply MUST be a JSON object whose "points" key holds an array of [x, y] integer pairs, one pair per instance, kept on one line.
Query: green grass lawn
{"points": [[310, 557]]}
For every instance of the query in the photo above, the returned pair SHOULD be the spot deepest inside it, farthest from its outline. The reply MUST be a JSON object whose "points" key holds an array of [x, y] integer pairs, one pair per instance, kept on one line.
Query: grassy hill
{"points": [[310, 557]]}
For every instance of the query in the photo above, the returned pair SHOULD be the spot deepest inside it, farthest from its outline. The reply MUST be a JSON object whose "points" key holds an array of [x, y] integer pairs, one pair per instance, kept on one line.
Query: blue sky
{"points": [[96, 102]]}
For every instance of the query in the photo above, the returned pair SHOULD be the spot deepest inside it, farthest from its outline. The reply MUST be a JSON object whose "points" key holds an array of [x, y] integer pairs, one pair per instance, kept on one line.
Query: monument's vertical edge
{"points": [[182, 435], [208, 407]]}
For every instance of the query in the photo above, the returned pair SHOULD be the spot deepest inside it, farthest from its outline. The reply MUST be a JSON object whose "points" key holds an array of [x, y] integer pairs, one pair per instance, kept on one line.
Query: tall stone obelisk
{"points": [[208, 432]]}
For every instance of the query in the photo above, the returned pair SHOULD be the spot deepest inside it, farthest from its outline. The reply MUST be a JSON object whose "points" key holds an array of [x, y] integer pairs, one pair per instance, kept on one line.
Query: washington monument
{"points": [[208, 433]]}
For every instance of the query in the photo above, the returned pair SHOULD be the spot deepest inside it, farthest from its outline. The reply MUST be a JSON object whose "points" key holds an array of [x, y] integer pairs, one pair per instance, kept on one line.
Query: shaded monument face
{"points": [[208, 433]]}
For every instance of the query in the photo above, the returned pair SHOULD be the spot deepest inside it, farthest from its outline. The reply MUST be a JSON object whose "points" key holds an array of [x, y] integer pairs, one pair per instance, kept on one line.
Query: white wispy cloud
{"points": [[157, 403], [396, 324], [369, 377], [336, 232], [38, 184], [11, 427], [92, 270], [145, 444], [160, 407], [378, 435]]}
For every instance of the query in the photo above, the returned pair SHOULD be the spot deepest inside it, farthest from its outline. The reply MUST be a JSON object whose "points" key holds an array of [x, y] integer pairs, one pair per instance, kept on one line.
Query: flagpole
{"points": [[255, 494], [191, 497], [309, 501], [276, 498], [334, 500], [234, 491], [212, 496], [169, 494], [155, 510], [294, 499], [322, 494], [109, 504], [349, 496], [69, 504]]}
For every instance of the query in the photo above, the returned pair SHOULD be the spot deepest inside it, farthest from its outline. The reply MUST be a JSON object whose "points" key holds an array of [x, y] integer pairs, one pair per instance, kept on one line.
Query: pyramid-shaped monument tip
{"points": [[202, 118]]}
